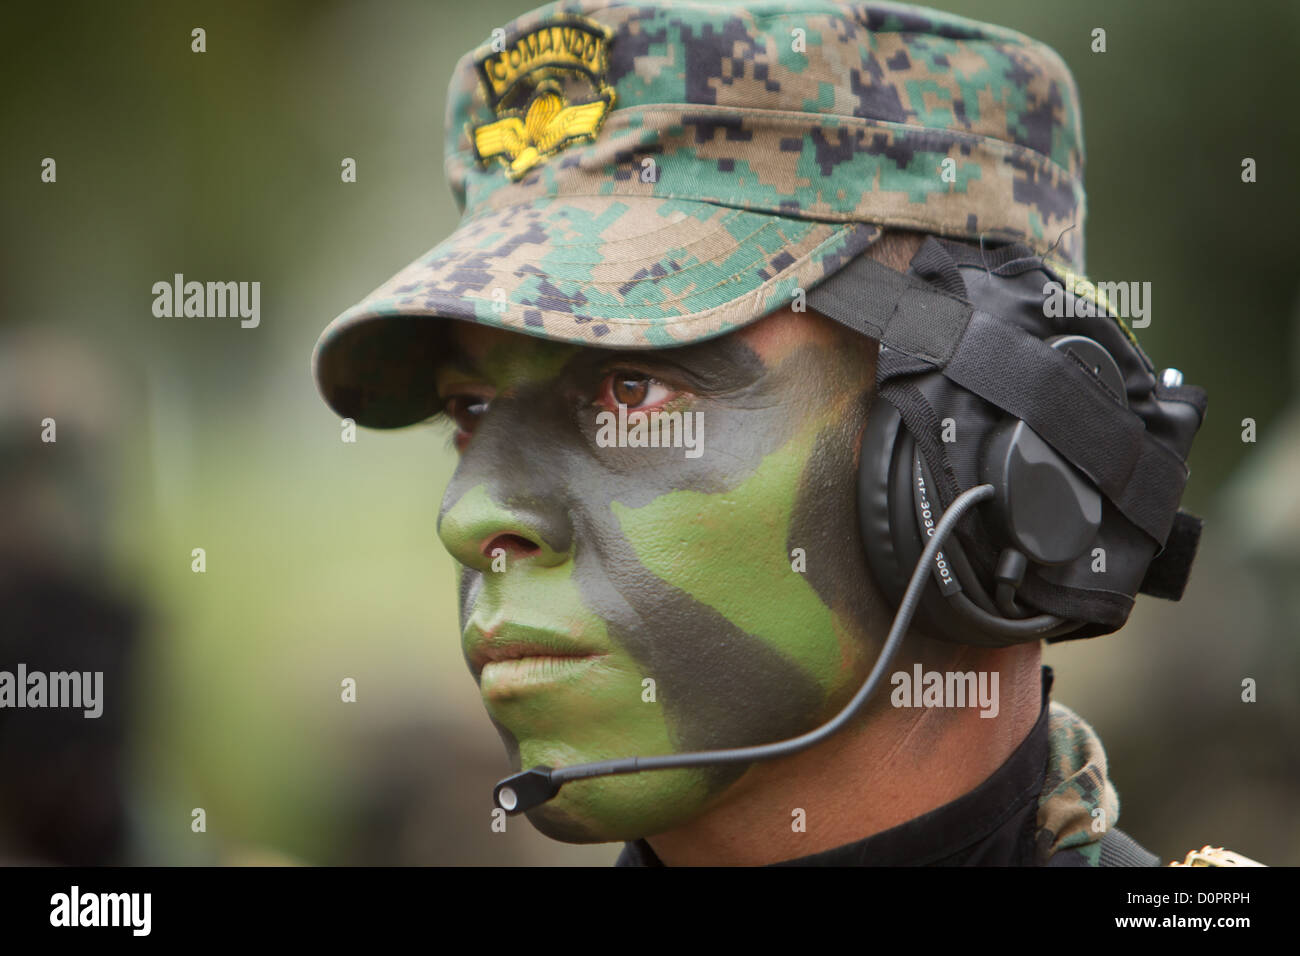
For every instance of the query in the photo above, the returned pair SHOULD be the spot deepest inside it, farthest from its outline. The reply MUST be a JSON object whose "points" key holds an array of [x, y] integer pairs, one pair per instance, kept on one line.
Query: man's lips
{"points": [[504, 642]]}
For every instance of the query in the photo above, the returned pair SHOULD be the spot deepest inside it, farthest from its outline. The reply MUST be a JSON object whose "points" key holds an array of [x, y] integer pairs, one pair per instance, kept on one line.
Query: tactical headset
{"points": [[1084, 444], [986, 393]]}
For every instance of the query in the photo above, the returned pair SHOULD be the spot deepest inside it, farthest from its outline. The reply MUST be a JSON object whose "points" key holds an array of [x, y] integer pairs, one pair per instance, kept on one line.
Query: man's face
{"points": [[643, 600]]}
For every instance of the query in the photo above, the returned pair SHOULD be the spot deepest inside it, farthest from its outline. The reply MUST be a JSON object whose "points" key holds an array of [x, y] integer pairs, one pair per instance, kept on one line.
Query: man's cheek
{"points": [[733, 552], [715, 685]]}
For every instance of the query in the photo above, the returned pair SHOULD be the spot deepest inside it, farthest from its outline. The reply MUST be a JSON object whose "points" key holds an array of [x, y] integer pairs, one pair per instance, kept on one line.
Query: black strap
{"points": [[902, 311], [1045, 388], [1019, 373], [1167, 575]]}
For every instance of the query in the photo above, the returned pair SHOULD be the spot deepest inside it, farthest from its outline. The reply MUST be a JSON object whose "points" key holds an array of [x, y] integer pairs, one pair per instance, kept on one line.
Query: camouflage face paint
{"points": [[658, 566]]}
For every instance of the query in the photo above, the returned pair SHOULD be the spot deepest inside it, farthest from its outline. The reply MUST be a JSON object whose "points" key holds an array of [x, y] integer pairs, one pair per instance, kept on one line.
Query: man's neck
{"points": [[901, 763]]}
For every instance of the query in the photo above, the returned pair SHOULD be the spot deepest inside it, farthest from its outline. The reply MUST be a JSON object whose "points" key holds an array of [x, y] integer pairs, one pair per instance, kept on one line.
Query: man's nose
{"points": [[507, 494], [478, 525]]}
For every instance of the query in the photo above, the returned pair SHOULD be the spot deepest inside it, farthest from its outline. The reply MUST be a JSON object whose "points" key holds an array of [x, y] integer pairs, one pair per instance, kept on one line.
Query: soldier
{"points": [[64, 798], [752, 365]]}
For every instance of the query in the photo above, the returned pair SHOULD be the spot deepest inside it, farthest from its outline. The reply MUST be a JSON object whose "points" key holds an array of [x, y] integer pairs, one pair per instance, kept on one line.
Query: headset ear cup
{"points": [[890, 536], [891, 539], [880, 439]]}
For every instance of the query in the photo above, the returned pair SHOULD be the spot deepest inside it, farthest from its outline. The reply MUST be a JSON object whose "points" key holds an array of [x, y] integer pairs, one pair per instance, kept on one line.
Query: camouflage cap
{"points": [[635, 175]]}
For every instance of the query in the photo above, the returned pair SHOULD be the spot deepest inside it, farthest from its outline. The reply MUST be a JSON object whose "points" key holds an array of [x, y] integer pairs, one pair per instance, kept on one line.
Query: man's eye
{"points": [[465, 411], [635, 390]]}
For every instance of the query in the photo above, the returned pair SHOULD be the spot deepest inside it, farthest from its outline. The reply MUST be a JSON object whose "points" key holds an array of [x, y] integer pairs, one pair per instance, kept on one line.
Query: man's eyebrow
{"points": [[721, 363]]}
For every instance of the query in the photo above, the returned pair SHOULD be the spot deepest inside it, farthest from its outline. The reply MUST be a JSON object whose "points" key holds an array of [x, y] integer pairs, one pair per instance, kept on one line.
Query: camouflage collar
{"points": [[1078, 803]]}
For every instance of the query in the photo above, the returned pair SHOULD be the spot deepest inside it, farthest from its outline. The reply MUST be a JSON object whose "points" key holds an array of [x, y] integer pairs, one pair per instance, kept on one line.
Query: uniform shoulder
{"points": [[1216, 856], [1115, 848]]}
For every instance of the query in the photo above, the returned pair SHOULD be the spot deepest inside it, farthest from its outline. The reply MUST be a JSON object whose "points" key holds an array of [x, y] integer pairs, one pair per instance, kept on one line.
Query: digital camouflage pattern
{"points": [[1076, 787], [643, 176]]}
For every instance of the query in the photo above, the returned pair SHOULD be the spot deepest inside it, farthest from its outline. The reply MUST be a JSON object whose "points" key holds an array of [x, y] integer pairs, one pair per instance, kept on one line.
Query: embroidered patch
{"points": [[530, 84]]}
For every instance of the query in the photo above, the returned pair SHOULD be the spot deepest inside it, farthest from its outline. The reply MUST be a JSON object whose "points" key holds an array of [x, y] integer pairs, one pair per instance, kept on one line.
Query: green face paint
{"points": [[625, 566]]}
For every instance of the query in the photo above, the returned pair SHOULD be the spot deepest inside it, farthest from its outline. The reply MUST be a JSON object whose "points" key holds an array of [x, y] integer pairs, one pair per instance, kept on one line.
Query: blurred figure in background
{"points": [[63, 788]]}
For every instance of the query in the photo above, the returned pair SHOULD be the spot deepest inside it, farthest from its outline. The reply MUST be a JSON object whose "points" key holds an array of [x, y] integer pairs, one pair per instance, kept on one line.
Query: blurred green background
{"points": [[322, 561]]}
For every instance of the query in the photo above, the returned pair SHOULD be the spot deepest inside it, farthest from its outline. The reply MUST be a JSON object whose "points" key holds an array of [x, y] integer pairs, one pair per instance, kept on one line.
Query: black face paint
{"points": [[630, 546]]}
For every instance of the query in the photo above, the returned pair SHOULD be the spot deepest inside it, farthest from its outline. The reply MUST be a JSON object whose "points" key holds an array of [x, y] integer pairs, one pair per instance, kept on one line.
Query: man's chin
{"points": [[559, 823], [555, 822], [623, 808]]}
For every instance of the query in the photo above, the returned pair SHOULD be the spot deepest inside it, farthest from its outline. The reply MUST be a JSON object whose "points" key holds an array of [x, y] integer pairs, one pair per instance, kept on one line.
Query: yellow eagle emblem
{"points": [[546, 126], [526, 83]]}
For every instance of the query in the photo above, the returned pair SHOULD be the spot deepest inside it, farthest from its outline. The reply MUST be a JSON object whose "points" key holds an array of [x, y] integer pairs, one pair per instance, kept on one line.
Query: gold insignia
{"points": [[526, 82], [548, 124], [1215, 856]]}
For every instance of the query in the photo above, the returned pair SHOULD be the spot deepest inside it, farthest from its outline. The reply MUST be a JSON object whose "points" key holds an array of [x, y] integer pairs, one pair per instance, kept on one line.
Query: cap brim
{"points": [[616, 272]]}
